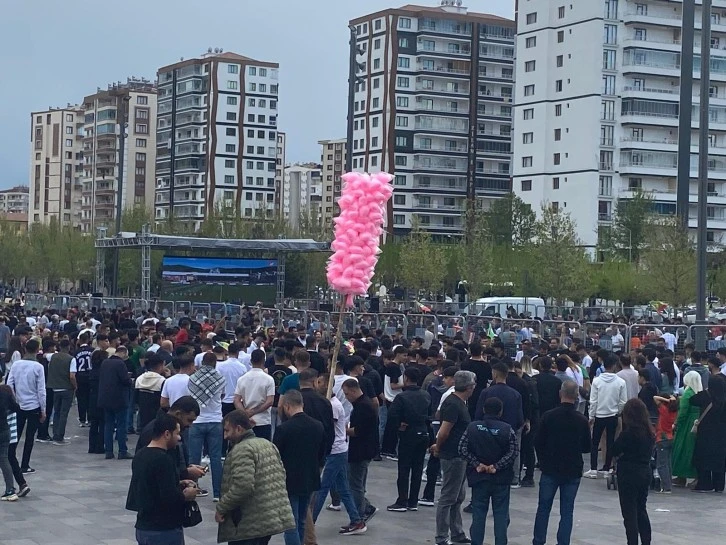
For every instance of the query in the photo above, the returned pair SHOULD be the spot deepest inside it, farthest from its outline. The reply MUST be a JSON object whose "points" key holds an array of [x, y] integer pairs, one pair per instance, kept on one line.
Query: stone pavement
{"points": [[79, 499]]}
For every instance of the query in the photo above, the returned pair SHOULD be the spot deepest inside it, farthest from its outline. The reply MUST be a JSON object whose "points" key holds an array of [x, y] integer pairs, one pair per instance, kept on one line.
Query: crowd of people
{"points": [[281, 426]]}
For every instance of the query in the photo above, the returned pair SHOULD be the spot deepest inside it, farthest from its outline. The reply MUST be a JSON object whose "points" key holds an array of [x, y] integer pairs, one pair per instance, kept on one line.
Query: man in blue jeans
{"points": [[489, 447], [114, 384], [206, 386], [564, 435]]}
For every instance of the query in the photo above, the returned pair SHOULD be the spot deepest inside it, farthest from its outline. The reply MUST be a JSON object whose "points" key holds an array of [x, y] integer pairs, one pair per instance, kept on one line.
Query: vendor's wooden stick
{"points": [[336, 349]]}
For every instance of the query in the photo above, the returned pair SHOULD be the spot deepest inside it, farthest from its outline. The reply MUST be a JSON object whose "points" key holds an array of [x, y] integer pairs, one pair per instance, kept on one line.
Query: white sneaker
{"points": [[332, 507], [591, 474]]}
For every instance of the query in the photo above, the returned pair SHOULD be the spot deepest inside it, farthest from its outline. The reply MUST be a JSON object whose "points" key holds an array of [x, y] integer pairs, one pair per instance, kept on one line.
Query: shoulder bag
{"points": [[694, 428]]}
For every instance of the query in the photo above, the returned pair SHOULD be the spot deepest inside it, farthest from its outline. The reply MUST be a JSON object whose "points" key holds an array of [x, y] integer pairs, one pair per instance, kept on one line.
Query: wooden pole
{"points": [[336, 349]]}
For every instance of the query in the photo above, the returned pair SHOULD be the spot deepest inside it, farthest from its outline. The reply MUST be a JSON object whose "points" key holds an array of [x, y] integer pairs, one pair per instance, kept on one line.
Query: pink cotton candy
{"points": [[357, 232]]}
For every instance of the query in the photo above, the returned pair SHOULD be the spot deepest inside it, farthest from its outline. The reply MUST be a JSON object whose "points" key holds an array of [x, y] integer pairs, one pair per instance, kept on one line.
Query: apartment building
{"points": [[131, 105], [333, 155], [217, 137], [597, 106], [280, 171], [302, 194], [433, 106], [56, 166], [15, 200]]}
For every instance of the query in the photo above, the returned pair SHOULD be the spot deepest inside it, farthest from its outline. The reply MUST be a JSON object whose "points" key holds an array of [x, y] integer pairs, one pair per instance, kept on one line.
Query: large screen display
{"points": [[219, 279]]}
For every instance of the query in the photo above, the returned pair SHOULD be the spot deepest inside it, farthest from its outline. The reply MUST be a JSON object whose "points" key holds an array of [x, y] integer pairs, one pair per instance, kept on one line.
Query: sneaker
{"points": [[62, 443], [82, 424], [110, 456], [205, 460], [392, 457], [397, 507], [591, 474], [354, 529], [125, 456], [43, 439], [370, 513], [468, 509], [439, 481], [414, 508], [215, 500], [10, 495], [514, 486], [663, 492], [333, 507], [463, 540], [604, 472], [527, 483], [202, 493], [27, 470], [426, 502], [24, 491]]}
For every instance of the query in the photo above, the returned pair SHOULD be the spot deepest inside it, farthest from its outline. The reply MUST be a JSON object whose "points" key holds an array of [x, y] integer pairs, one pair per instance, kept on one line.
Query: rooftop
{"points": [[444, 12], [218, 55], [17, 189]]}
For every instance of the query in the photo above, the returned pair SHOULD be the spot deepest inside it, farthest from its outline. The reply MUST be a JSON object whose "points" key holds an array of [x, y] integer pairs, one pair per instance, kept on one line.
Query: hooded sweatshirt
{"points": [[150, 381], [608, 396]]}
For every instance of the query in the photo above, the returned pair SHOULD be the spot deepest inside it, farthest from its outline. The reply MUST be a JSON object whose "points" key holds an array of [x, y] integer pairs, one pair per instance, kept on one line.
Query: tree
{"points": [[423, 263], [669, 263], [14, 263], [561, 263], [627, 237], [509, 222]]}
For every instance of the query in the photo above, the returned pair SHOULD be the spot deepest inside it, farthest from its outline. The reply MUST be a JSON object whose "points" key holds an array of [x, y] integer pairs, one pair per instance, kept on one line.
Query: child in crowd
{"points": [[667, 413]]}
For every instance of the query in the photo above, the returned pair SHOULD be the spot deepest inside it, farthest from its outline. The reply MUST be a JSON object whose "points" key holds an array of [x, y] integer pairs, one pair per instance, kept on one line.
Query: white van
{"points": [[533, 307]]}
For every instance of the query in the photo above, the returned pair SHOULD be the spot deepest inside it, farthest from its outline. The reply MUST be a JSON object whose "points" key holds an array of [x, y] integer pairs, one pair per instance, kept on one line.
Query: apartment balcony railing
{"points": [[440, 108], [445, 29], [445, 166], [418, 146], [456, 185], [441, 127], [465, 52], [433, 205], [442, 89]]}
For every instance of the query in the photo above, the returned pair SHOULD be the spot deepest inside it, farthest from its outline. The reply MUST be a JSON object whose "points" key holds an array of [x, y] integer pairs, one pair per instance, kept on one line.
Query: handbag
{"points": [[192, 514], [694, 428]]}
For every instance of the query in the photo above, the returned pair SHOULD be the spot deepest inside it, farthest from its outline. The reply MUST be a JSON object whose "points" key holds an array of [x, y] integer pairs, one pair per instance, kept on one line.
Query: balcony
{"points": [[451, 90], [441, 165], [440, 108], [443, 71], [493, 112], [441, 127], [441, 224], [630, 142], [441, 27], [605, 217], [495, 171], [419, 146], [464, 51], [438, 206], [455, 184]]}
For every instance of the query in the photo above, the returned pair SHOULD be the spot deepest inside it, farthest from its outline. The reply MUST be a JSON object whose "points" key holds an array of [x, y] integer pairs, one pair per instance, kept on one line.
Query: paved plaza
{"points": [[79, 498]]}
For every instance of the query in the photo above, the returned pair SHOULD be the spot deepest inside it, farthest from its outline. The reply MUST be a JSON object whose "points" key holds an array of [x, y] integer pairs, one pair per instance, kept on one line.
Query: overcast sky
{"points": [[57, 51]]}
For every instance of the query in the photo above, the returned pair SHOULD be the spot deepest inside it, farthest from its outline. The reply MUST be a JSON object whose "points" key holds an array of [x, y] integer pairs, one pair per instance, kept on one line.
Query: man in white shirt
{"points": [[255, 394], [27, 380], [231, 369], [669, 339], [206, 345], [177, 385]]}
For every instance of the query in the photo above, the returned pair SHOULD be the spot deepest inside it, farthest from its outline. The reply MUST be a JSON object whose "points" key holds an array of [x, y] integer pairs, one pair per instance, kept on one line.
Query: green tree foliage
{"points": [[423, 263], [509, 222], [631, 223]]}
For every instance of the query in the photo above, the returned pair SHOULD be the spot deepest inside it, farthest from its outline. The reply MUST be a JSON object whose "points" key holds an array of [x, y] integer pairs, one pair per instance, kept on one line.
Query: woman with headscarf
{"points": [[709, 454], [684, 441]]}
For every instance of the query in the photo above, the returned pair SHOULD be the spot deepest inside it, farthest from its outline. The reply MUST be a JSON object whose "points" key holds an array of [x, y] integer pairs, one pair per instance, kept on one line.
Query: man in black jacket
{"points": [[301, 442], [489, 447], [114, 385], [409, 413], [316, 406], [548, 386], [514, 381], [363, 447], [563, 436]]}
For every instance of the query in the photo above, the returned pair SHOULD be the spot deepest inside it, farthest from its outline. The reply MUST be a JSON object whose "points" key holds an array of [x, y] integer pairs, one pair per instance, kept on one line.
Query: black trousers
{"points": [[43, 431], [433, 467], [226, 409], [97, 423], [83, 394], [528, 458], [390, 435], [32, 420], [633, 486], [609, 425], [411, 453], [711, 480]]}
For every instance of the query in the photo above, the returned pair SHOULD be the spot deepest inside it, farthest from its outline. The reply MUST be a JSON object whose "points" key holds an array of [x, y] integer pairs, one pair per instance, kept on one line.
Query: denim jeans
{"points": [[663, 462], [62, 401], [357, 477], [481, 493], [335, 473], [299, 504], [548, 485], [453, 494], [211, 432], [160, 537], [382, 419], [115, 419]]}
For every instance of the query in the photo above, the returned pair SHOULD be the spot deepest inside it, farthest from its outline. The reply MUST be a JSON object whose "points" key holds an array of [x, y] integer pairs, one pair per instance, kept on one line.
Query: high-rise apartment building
{"points": [[280, 171], [56, 166], [597, 106], [302, 194], [131, 105], [332, 158], [433, 107], [217, 137], [14, 200]]}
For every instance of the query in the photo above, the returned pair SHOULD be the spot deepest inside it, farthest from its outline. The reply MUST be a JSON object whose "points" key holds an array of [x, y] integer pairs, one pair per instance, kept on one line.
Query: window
{"points": [[401, 121], [142, 128], [253, 87], [69, 143], [231, 131], [399, 199], [527, 161], [558, 86], [607, 133], [375, 103], [402, 82], [399, 219], [260, 118], [560, 36], [229, 163], [713, 91], [527, 137], [528, 90], [403, 43], [377, 24], [273, 105], [374, 122], [249, 166], [231, 116], [560, 61], [558, 135], [526, 185], [402, 102], [404, 22], [641, 34], [231, 101], [69, 130], [263, 72], [528, 113], [374, 142], [141, 157], [531, 42], [561, 12], [635, 184], [401, 160], [608, 59], [253, 71], [404, 62], [141, 142], [233, 69], [228, 179], [608, 85], [611, 35], [263, 87], [555, 207], [710, 236], [232, 85], [401, 141], [556, 159], [531, 18], [230, 148], [641, 9], [529, 66], [376, 66]]}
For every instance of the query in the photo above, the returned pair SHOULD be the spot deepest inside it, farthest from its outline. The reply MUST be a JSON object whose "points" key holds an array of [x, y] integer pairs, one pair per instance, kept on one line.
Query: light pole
{"points": [[122, 102], [352, 80], [685, 112]]}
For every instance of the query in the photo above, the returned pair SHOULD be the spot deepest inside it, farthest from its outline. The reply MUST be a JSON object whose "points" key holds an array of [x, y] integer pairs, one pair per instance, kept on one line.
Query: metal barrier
{"points": [[451, 325], [348, 325], [268, 317], [642, 334], [164, 309], [418, 324], [317, 321], [367, 320], [294, 318], [708, 336], [389, 322]]}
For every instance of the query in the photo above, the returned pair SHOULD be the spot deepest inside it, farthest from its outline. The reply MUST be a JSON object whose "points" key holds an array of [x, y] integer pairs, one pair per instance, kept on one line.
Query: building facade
{"points": [[333, 155], [596, 120], [280, 171], [56, 166], [433, 107], [15, 200], [131, 105], [216, 138], [302, 194]]}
